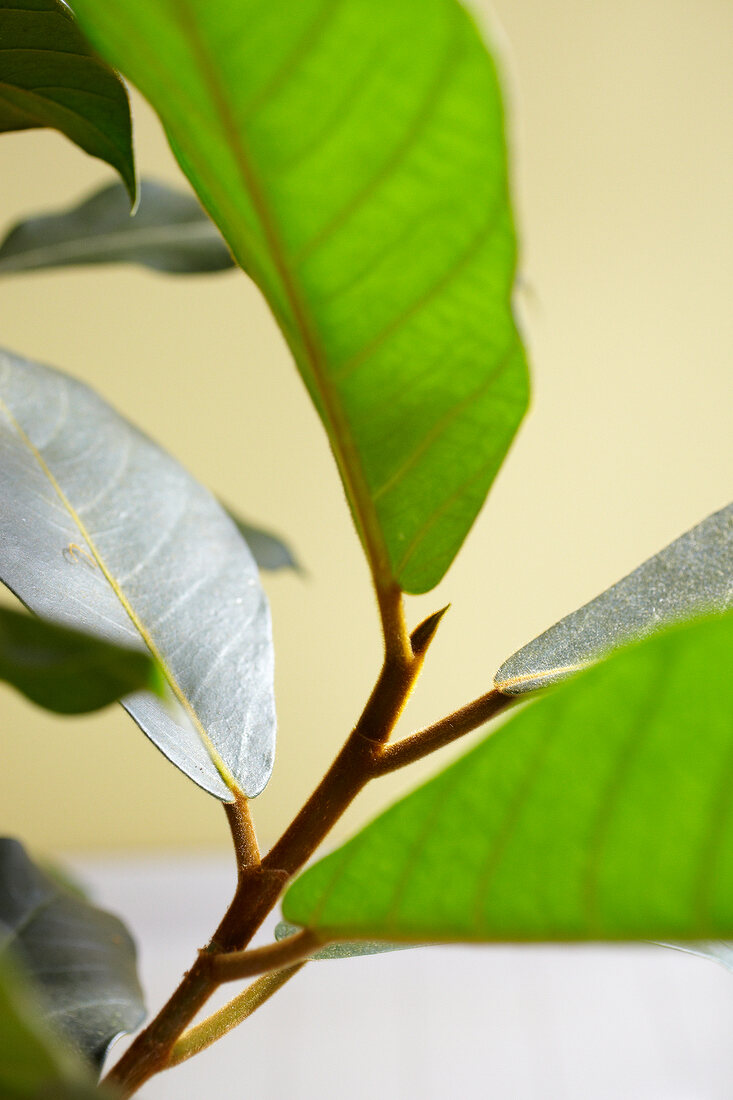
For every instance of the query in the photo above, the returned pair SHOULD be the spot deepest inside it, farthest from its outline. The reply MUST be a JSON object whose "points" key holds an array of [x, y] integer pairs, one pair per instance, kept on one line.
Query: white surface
{"points": [[539, 1023]]}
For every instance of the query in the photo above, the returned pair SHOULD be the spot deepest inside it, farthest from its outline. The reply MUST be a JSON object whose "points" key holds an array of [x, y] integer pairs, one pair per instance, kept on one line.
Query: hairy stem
{"points": [[246, 848], [238, 1009], [442, 733], [263, 960]]}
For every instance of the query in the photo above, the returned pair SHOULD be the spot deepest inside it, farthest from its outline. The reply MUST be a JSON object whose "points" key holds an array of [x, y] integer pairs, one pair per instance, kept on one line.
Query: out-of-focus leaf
{"points": [[81, 959], [718, 951], [102, 530], [51, 78], [68, 671], [692, 575], [601, 811], [268, 550], [353, 156], [34, 1063], [168, 232], [340, 950]]}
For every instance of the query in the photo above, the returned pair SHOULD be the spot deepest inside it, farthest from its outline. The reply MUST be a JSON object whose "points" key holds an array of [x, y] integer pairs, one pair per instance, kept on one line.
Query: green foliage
{"points": [[353, 157], [80, 959], [168, 232], [68, 671], [598, 812], [51, 78]]}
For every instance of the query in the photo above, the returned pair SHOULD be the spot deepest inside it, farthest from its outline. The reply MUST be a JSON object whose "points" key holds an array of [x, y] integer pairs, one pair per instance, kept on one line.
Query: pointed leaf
{"points": [[692, 575], [80, 958], [101, 530], [353, 156], [268, 550], [34, 1063], [68, 671], [168, 232], [600, 811], [51, 78]]}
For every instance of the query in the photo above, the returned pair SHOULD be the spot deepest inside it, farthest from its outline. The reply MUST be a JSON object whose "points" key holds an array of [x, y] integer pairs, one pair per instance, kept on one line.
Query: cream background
{"points": [[620, 122]]}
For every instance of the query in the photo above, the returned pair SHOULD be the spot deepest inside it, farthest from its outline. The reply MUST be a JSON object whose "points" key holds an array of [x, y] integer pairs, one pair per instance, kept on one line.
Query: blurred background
{"points": [[622, 153]]}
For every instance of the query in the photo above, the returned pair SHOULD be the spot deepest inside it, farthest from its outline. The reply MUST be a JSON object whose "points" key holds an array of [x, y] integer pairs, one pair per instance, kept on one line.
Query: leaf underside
{"points": [[339, 950], [67, 671], [352, 154], [691, 576], [103, 531], [81, 959], [51, 78], [601, 811], [169, 232]]}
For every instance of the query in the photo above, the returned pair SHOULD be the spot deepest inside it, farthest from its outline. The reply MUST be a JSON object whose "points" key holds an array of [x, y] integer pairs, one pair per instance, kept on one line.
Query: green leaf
{"points": [[601, 811], [34, 1064], [267, 549], [168, 232], [691, 576], [353, 156], [80, 959], [68, 671], [103, 531], [51, 78]]}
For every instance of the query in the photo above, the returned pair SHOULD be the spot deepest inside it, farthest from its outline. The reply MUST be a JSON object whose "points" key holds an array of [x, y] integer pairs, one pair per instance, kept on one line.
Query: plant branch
{"points": [[232, 1014], [442, 733], [262, 960], [260, 883]]}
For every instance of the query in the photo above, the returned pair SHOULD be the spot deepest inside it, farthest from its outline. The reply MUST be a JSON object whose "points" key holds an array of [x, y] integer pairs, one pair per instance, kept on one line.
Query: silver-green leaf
{"points": [[102, 530], [340, 950], [691, 576], [80, 959], [169, 232]]}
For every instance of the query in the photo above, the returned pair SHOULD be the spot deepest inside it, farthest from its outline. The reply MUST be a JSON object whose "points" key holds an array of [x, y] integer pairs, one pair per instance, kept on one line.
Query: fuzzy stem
{"points": [[238, 1009], [442, 733]]}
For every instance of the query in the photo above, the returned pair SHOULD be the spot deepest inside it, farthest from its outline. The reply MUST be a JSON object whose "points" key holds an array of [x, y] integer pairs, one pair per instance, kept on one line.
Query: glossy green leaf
{"points": [[169, 232], [50, 77], [353, 156], [601, 811], [68, 671], [81, 960], [692, 575], [267, 549], [34, 1064], [103, 531]]}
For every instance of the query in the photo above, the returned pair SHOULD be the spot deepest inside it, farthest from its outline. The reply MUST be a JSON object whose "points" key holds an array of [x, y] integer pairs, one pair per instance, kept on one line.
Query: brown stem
{"points": [[261, 960], [351, 770], [442, 733], [243, 833]]}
